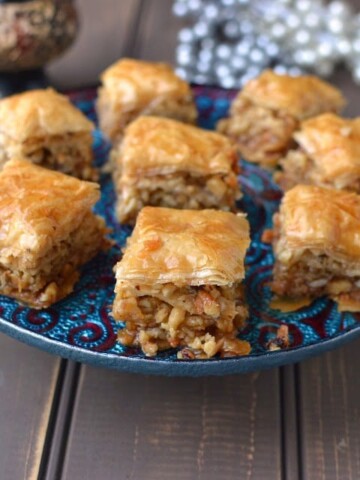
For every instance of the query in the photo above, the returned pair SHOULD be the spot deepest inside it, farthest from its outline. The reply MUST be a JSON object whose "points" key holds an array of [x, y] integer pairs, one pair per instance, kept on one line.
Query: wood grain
{"points": [[329, 391], [289, 426], [27, 385], [134, 427], [60, 424]]}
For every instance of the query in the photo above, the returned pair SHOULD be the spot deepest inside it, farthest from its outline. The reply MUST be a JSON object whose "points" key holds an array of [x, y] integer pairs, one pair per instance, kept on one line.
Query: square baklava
{"points": [[162, 162], [327, 154], [131, 88], [265, 114], [44, 126], [47, 231], [179, 283], [316, 242]]}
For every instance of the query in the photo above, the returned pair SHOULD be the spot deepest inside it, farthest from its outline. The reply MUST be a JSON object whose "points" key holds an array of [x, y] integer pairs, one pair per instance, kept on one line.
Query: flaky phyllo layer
{"points": [[165, 163], [114, 117], [132, 88], [50, 277], [327, 154], [299, 168], [201, 321], [266, 112]]}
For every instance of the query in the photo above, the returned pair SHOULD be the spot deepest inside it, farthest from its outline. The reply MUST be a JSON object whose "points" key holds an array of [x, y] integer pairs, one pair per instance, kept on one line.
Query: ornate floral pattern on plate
{"points": [[81, 327]]}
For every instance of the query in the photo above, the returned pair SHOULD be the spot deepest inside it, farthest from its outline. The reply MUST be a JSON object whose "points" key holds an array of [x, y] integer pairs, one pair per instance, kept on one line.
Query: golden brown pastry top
{"points": [[154, 145], [39, 207], [132, 82], [333, 143], [38, 113], [319, 219], [185, 247], [301, 97]]}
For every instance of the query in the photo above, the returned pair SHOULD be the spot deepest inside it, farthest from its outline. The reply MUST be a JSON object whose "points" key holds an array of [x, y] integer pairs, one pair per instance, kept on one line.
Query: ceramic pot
{"points": [[34, 32]]}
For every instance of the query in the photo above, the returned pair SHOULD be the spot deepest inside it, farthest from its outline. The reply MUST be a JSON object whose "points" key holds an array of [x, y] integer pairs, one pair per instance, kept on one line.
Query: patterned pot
{"points": [[34, 32]]}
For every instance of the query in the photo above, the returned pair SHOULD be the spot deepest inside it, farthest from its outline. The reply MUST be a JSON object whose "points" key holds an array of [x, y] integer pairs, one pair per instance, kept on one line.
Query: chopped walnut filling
{"points": [[201, 321], [311, 274], [262, 135], [177, 190], [70, 153], [52, 276]]}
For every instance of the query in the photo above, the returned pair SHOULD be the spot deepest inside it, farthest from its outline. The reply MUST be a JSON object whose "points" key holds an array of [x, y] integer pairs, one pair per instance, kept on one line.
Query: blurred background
{"points": [[214, 42]]}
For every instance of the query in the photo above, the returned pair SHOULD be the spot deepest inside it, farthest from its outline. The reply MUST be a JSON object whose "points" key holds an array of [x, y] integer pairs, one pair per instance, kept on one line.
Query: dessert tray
{"points": [[81, 327]]}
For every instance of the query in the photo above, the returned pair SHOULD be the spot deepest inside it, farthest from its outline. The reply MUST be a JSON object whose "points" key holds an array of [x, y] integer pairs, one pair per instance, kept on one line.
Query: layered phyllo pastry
{"points": [[179, 283], [163, 162], [327, 153], [316, 244], [131, 88], [265, 114], [44, 126], [47, 231]]}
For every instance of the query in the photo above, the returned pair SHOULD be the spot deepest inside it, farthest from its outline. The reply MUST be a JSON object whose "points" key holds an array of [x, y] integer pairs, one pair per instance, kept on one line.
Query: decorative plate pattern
{"points": [[80, 327]]}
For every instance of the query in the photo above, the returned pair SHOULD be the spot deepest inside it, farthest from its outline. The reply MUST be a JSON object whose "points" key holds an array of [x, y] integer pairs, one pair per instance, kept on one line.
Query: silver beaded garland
{"points": [[228, 42]]}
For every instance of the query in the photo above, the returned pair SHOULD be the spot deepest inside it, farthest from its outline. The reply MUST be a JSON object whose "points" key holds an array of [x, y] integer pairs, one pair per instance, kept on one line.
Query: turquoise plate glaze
{"points": [[81, 328]]}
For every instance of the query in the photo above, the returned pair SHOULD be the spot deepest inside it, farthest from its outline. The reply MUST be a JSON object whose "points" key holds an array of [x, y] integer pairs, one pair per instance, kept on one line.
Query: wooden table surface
{"points": [[62, 420]]}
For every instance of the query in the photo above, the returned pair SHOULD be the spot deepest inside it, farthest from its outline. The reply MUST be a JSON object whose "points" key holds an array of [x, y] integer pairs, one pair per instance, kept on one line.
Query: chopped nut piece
{"points": [[281, 341]]}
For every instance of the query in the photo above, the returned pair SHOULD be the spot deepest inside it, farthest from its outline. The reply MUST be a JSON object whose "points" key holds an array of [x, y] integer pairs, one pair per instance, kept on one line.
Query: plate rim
{"points": [[159, 366], [179, 368]]}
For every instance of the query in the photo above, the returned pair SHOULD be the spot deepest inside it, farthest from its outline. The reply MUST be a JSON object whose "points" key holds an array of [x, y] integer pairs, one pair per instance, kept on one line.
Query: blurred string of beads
{"points": [[228, 42]]}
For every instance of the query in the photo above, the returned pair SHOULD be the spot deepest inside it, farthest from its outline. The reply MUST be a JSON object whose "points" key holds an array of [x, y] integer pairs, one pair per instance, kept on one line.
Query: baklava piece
{"points": [[327, 154], [316, 245], [43, 126], [265, 114], [162, 162], [47, 231], [132, 87], [179, 283]]}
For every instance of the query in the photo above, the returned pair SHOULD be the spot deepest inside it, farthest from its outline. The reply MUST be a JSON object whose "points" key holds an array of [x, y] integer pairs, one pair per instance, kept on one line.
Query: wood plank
{"points": [[102, 39], [290, 438], [61, 423], [27, 385], [329, 392], [132, 427]]}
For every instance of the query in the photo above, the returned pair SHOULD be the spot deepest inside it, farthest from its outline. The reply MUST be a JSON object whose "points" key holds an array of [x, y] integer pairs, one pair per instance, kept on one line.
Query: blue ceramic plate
{"points": [[81, 328]]}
